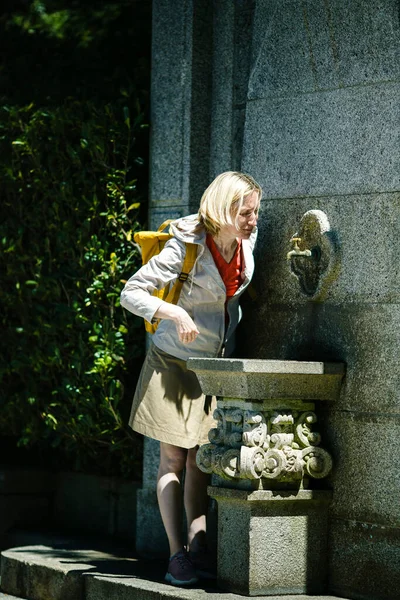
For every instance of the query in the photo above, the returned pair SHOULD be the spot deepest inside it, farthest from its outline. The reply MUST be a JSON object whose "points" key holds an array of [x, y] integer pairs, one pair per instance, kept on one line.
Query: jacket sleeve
{"points": [[154, 275]]}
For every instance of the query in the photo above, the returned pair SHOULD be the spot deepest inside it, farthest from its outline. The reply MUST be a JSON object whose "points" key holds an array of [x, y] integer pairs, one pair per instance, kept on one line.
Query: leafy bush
{"points": [[71, 195], [86, 49], [69, 209]]}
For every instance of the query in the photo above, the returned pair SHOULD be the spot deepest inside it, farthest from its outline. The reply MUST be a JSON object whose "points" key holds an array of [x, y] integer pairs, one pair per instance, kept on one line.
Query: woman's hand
{"points": [[187, 330], [185, 326]]}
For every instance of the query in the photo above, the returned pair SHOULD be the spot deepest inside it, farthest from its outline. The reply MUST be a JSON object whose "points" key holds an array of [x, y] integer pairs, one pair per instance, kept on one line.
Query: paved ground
{"points": [[71, 569]]}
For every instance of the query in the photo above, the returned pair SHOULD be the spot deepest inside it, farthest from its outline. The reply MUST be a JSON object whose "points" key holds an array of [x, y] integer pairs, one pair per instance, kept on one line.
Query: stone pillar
{"points": [[179, 161], [180, 107], [272, 542], [265, 455], [232, 48]]}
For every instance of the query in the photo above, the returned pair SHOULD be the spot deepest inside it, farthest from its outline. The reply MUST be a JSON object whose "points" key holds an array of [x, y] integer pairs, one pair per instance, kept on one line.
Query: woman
{"points": [[168, 404]]}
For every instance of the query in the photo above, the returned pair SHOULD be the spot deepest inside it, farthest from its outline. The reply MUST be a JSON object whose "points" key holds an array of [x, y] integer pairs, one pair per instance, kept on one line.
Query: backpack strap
{"points": [[165, 225], [188, 264]]}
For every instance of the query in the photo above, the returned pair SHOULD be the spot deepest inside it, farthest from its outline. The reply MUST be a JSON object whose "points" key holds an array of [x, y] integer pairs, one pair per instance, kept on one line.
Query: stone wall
{"points": [[304, 95], [33, 502], [26, 500], [322, 132]]}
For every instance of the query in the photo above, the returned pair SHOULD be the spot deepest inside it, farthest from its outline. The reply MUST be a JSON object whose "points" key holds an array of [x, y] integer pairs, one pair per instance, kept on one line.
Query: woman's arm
{"points": [[185, 326], [161, 270], [157, 273]]}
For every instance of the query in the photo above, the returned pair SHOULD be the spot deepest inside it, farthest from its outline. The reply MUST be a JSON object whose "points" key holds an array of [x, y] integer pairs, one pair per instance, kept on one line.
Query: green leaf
{"points": [[133, 206]]}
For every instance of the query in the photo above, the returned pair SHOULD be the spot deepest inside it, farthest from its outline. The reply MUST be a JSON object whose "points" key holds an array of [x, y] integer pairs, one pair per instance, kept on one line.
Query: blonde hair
{"points": [[222, 200]]}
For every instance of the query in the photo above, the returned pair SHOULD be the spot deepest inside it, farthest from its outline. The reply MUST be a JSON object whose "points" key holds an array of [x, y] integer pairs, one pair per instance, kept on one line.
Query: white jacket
{"points": [[203, 295]]}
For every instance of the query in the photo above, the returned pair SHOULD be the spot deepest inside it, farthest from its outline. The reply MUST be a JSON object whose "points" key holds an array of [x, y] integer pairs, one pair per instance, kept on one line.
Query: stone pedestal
{"points": [[272, 542], [264, 454]]}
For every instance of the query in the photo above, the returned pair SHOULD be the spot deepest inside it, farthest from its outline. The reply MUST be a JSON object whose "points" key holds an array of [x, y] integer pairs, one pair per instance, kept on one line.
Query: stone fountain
{"points": [[266, 459]]}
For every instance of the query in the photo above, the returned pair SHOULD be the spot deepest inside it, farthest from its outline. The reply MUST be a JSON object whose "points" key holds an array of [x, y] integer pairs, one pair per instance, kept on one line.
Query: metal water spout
{"points": [[296, 250], [315, 257]]}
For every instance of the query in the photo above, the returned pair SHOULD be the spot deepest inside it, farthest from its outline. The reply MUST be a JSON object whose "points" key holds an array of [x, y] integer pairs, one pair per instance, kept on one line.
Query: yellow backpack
{"points": [[151, 243]]}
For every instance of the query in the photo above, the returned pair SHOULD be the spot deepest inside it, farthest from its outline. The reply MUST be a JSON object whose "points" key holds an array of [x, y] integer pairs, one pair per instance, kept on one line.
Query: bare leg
{"points": [[196, 502], [169, 493]]}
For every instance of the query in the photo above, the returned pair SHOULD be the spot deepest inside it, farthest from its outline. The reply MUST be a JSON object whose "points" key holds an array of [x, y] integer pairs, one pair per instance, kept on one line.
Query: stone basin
{"points": [[258, 379]]}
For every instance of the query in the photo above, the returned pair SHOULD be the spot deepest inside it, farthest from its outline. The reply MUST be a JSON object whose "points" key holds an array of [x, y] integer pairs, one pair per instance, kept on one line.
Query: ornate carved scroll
{"points": [[265, 444]]}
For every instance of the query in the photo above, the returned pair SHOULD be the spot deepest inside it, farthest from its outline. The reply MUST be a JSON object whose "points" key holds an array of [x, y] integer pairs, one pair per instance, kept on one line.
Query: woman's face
{"points": [[246, 219]]}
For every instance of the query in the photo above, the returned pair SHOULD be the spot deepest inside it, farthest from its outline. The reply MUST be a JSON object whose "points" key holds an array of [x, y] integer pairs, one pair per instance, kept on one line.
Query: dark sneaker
{"points": [[180, 570], [204, 567]]}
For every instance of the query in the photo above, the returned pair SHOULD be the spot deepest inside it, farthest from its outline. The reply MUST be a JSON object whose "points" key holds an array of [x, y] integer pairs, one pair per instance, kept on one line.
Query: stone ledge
{"points": [[64, 569], [267, 366], [258, 379]]}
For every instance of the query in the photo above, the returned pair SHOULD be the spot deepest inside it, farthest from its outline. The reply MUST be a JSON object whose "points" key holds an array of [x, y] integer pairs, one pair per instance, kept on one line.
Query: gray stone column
{"points": [[180, 107], [232, 45], [179, 169]]}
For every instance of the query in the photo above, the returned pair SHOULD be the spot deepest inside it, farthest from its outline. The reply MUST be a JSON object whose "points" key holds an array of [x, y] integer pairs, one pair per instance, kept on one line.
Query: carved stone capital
{"points": [[274, 444]]}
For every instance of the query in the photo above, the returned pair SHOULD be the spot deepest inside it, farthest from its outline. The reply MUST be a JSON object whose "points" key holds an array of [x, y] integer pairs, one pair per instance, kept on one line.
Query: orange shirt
{"points": [[231, 273]]}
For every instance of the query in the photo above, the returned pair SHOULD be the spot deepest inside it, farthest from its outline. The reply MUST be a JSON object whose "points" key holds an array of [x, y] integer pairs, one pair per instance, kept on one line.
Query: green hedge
{"points": [[71, 192]]}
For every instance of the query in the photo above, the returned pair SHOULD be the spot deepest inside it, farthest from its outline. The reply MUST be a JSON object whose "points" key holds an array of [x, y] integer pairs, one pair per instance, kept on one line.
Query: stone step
{"points": [[62, 568]]}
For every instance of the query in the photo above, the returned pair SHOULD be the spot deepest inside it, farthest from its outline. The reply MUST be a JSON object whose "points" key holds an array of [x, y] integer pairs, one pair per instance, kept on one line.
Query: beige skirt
{"points": [[169, 405]]}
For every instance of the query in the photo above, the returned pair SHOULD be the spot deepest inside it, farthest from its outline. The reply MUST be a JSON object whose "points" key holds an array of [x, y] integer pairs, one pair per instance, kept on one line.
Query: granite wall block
{"points": [[364, 560], [365, 486], [305, 46], [337, 142], [365, 40]]}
